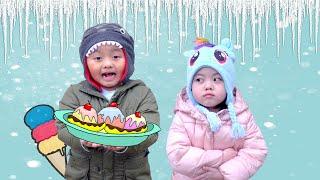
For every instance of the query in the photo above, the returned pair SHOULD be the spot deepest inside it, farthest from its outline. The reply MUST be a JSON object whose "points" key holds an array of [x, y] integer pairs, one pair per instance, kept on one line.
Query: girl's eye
{"points": [[194, 58], [198, 80], [217, 79], [221, 56]]}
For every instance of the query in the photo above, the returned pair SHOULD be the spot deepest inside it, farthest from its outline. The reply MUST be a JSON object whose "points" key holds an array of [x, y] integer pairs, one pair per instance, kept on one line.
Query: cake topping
{"points": [[137, 114], [88, 106], [113, 104]]}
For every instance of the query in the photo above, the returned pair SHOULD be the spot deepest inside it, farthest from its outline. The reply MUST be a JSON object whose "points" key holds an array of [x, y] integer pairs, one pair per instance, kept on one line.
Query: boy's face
{"points": [[106, 66], [208, 88]]}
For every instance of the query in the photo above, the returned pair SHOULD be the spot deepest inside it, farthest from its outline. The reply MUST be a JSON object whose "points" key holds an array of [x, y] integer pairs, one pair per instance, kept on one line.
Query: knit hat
{"points": [[111, 34], [221, 58]]}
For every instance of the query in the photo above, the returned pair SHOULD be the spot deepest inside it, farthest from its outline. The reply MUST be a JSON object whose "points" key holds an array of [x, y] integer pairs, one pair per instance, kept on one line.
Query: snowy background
{"points": [[278, 69]]}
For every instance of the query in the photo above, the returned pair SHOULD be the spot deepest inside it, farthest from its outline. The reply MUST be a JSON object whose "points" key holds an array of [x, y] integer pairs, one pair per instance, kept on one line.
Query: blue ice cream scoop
{"points": [[38, 114]]}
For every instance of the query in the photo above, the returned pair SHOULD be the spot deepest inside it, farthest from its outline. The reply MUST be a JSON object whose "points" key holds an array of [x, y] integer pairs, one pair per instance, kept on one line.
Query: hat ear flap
{"points": [[227, 43]]}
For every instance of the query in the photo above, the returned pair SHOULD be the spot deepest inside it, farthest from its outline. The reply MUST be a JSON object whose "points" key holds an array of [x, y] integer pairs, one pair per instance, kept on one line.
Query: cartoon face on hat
{"points": [[107, 34], [219, 57]]}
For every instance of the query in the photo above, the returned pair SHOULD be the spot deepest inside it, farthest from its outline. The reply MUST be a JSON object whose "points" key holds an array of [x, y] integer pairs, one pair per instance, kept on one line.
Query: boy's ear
{"points": [[189, 53], [227, 43]]}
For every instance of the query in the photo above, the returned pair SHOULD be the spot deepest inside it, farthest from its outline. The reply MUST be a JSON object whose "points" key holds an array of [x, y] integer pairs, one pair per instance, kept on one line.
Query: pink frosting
{"points": [[45, 131], [134, 124]]}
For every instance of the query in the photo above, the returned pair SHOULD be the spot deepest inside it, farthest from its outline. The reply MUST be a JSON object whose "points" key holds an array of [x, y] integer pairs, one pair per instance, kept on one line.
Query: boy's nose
{"points": [[107, 63]]}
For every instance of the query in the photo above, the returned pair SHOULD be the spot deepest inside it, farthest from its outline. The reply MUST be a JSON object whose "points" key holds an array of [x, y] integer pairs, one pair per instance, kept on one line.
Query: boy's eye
{"points": [[98, 58]]}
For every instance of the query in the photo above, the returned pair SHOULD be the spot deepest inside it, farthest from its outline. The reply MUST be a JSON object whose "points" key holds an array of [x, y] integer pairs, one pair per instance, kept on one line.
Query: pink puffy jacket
{"points": [[191, 144]]}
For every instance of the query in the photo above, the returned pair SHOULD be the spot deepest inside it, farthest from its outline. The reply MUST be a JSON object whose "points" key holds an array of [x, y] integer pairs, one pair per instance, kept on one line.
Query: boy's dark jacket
{"points": [[133, 96]]}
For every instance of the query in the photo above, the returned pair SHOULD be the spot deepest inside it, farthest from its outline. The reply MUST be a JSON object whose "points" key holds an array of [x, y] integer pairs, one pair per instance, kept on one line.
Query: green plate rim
{"points": [[61, 114]]}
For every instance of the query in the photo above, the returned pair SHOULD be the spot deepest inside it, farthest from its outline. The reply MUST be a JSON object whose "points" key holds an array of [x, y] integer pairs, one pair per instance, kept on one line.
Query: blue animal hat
{"points": [[221, 58]]}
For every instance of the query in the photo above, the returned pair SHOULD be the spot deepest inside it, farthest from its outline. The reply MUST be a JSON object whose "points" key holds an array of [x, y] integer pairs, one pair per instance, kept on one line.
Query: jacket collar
{"points": [[87, 88]]}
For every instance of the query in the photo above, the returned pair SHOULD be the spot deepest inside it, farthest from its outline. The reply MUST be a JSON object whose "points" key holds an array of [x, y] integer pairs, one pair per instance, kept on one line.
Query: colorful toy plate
{"points": [[102, 137]]}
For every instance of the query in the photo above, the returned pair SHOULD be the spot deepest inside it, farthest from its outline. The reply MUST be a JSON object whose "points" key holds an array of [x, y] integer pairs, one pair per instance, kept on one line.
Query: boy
{"points": [[107, 54]]}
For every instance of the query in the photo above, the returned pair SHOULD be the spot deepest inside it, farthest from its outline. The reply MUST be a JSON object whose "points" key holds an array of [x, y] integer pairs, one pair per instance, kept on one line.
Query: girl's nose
{"points": [[209, 85]]}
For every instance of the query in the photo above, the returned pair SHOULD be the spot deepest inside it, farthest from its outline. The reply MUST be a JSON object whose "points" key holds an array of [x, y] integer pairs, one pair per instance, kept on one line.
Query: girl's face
{"points": [[208, 88], [106, 66]]}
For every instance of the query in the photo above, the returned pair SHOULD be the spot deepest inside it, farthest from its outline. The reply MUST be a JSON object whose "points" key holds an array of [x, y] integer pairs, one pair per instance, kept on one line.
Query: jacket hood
{"points": [[184, 105]]}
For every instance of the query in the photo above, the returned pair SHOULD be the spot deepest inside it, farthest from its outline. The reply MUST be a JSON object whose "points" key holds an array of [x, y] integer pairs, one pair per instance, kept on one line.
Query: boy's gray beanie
{"points": [[109, 32]]}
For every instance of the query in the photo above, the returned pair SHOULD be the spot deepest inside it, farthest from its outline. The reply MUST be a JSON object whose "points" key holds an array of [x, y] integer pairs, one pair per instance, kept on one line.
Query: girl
{"points": [[213, 134]]}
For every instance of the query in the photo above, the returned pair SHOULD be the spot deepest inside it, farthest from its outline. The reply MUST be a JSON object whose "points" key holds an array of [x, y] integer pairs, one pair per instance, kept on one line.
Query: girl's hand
{"points": [[228, 154], [211, 173]]}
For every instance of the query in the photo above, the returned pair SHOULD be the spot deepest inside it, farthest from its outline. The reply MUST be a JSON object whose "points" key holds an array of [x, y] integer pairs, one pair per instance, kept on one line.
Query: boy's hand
{"points": [[89, 144], [228, 154], [117, 149]]}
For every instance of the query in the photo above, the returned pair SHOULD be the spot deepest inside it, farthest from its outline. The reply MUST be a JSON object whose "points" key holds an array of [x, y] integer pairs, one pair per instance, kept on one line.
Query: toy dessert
{"points": [[116, 123], [135, 123], [86, 117]]}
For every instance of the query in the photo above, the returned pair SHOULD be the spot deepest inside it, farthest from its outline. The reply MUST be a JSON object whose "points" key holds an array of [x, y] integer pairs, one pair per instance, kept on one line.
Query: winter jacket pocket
{"points": [[137, 166], [78, 166]]}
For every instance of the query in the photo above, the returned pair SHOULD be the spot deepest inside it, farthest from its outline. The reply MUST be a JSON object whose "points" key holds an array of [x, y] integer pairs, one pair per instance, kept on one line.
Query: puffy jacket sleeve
{"points": [[250, 157], [183, 157], [149, 109], [68, 101]]}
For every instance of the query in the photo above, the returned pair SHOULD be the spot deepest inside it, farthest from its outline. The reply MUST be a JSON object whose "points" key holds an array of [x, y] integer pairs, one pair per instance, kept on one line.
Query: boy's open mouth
{"points": [[109, 76]]}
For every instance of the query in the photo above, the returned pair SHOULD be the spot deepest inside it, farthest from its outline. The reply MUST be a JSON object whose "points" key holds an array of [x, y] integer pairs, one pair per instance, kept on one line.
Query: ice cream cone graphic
{"points": [[40, 119]]}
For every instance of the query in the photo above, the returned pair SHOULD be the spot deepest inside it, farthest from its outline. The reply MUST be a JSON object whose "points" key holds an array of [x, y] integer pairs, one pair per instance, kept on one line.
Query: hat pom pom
{"points": [[213, 121], [211, 117], [237, 130]]}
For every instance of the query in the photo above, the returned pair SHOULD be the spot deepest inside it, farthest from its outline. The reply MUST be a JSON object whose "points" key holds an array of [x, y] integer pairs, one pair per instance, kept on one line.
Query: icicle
{"points": [[158, 25], [146, 23], [44, 17], [300, 6], [243, 28], [284, 19], [67, 13], [180, 23], [74, 15], [36, 9], [317, 14], [229, 7], [259, 23], [152, 14], [253, 27], [186, 17], [237, 14], [26, 29], [220, 4], [50, 28], [61, 30], [268, 7], [277, 6], [197, 17], [169, 12], [85, 14], [213, 20], [12, 14], [124, 19], [136, 8], [4, 29], [310, 8], [20, 19]]}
